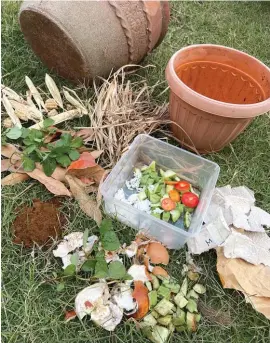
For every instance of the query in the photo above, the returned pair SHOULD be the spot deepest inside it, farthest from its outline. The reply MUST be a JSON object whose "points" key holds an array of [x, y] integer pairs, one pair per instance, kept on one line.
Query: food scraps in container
{"points": [[162, 194]]}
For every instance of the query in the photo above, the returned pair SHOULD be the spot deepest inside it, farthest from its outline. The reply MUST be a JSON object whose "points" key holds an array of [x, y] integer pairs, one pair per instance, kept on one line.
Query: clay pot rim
{"points": [[209, 105]]}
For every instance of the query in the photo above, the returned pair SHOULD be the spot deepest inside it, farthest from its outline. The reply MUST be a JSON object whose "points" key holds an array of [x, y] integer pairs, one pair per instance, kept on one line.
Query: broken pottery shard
{"points": [[91, 297], [211, 235], [251, 247]]}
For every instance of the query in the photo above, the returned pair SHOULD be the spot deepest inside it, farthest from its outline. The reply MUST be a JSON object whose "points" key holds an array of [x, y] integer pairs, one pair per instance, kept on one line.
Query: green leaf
{"points": [[85, 237], [70, 270], [110, 241], [28, 164], [14, 133], [60, 287], [100, 255], [29, 149], [49, 165], [74, 155], [77, 142], [75, 259], [89, 266], [66, 139], [128, 277], [106, 225], [101, 269], [48, 122], [54, 274], [25, 132], [117, 270], [64, 160]]}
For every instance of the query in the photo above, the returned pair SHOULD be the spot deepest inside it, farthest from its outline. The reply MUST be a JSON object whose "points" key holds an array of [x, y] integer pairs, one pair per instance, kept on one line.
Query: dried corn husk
{"points": [[75, 102], [35, 93], [59, 118], [11, 94], [52, 113], [8, 123], [51, 85], [25, 112], [51, 104], [30, 102], [10, 111]]}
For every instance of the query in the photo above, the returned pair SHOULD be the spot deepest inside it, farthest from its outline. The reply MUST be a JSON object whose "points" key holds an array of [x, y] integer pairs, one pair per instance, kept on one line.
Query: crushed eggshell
{"points": [[138, 273], [157, 253], [70, 242], [122, 297], [131, 250], [91, 297], [107, 316]]}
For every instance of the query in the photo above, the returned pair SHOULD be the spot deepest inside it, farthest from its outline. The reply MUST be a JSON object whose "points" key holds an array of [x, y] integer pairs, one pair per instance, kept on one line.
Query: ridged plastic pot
{"points": [[215, 93], [84, 39]]}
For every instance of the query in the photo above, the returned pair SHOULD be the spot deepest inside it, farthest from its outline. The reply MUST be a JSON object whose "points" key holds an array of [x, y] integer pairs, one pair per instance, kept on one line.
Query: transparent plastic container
{"points": [[195, 169]]}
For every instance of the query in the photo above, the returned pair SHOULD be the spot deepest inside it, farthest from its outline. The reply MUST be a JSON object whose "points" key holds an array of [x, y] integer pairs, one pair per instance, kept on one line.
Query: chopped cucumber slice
{"points": [[161, 172], [180, 207], [157, 205], [166, 216], [187, 220], [154, 198], [175, 215], [157, 215], [177, 178], [142, 195], [169, 188], [169, 174]]}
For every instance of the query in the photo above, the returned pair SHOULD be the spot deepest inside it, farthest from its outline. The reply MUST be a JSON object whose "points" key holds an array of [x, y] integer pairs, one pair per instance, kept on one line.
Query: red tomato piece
{"points": [[190, 199], [168, 205], [182, 186], [174, 195]]}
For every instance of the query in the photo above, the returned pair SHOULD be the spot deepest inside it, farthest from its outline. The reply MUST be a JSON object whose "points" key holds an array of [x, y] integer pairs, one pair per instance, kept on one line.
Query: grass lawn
{"points": [[32, 311]]}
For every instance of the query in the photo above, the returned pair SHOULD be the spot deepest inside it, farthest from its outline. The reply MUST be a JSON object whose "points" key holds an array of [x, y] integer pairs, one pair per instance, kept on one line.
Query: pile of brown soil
{"points": [[38, 224]]}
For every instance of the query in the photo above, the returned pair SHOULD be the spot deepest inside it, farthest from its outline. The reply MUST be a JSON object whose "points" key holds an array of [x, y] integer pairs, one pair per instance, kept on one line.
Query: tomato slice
{"points": [[168, 205], [182, 186], [190, 199], [174, 195], [172, 183]]}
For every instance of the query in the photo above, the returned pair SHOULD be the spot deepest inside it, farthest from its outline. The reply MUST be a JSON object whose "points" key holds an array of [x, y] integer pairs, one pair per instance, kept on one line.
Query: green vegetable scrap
{"points": [[35, 147]]}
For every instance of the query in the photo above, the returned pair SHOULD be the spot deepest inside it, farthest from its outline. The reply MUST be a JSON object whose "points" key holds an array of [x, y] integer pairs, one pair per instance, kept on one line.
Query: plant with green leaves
{"points": [[36, 149]]}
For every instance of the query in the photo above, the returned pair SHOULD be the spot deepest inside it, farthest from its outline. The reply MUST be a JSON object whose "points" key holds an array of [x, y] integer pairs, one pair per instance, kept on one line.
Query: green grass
{"points": [[32, 311]]}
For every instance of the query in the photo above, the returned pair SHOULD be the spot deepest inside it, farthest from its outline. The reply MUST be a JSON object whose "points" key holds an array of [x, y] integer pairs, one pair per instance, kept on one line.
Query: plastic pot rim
{"points": [[203, 103]]}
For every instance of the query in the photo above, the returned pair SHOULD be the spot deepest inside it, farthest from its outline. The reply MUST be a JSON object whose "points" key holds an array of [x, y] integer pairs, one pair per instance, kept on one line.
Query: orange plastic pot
{"points": [[215, 94]]}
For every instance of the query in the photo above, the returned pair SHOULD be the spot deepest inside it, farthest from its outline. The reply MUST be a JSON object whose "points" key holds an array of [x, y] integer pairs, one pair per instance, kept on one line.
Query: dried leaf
{"points": [[86, 166], [75, 102], [5, 165], [99, 195], [10, 111], [86, 134], [51, 104], [260, 304], [52, 113], [87, 205], [13, 179], [10, 151], [30, 102], [25, 112], [252, 280], [35, 93], [96, 153], [54, 186], [51, 85], [140, 294]]}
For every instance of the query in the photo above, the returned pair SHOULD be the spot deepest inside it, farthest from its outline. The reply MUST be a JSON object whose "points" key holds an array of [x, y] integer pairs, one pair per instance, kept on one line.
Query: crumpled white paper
{"points": [[234, 208]]}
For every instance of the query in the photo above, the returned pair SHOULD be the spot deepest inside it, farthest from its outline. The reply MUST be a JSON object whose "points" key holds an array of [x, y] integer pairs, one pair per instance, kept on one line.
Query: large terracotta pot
{"points": [[84, 39], [215, 94]]}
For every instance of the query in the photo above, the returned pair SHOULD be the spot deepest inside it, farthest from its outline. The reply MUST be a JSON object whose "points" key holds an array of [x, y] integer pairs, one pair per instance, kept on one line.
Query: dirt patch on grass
{"points": [[38, 224]]}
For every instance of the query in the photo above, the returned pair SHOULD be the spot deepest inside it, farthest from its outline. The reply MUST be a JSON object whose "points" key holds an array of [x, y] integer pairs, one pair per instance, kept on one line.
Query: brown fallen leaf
{"points": [[87, 205], [99, 195], [252, 280], [13, 179], [54, 186], [86, 134], [87, 167], [217, 316], [260, 304], [10, 151], [5, 165]]}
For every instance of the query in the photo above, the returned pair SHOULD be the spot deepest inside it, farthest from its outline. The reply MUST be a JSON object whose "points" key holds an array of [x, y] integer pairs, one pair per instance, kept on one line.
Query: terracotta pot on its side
{"points": [[84, 39]]}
